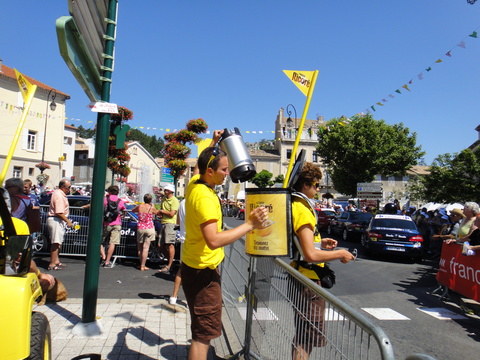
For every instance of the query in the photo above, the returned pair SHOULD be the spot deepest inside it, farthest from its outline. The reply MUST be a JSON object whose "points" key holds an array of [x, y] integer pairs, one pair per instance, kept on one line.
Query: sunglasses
{"points": [[214, 155], [315, 184]]}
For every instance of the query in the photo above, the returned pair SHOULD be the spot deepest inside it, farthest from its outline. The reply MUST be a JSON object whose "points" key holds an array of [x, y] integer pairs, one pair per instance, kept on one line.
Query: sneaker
{"points": [[172, 300], [108, 266]]}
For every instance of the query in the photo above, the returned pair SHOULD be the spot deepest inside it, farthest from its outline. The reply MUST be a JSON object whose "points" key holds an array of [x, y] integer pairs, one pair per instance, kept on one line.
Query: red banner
{"points": [[458, 272]]}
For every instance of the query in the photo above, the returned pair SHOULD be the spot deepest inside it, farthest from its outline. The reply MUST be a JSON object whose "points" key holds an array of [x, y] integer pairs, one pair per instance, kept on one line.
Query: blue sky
{"points": [[223, 61]]}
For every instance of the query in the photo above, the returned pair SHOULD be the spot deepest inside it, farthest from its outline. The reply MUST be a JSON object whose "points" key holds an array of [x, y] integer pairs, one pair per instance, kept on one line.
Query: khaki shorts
{"points": [[111, 234], [144, 235], [204, 297], [168, 234], [56, 229]]}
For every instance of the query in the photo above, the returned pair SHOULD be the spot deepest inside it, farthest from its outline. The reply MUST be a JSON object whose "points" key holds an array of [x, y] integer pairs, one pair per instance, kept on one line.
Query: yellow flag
{"points": [[302, 79], [24, 85], [202, 144]]}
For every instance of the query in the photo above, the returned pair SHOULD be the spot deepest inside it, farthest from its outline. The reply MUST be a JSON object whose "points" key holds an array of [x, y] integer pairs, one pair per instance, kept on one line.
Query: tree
{"points": [[265, 144], [263, 179], [355, 150], [153, 145], [279, 179], [452, 178], [85, 133]]}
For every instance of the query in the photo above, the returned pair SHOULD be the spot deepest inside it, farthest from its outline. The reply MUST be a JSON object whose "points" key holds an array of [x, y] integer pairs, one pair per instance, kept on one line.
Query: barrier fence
{"points": [[274, 313], [75, 239]]}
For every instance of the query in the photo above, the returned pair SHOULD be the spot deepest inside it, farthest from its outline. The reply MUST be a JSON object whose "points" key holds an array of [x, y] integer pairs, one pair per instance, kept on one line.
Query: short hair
{"points": [[147, 198], [307, 176], [14, 182], [473, 206], [27, 181], [204, 159], [113, 189], [62, 183]]}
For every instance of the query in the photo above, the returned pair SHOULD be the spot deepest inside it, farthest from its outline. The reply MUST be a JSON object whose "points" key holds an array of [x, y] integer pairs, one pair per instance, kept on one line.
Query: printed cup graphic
{"points": [[266, 228]]}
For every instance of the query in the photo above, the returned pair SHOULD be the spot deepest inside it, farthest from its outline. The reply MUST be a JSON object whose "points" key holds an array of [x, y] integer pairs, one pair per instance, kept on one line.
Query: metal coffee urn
{"points": [[240, 163]]}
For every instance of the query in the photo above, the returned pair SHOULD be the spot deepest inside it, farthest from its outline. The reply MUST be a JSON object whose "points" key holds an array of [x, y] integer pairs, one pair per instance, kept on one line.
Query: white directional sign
{"points": [[370, 190]]}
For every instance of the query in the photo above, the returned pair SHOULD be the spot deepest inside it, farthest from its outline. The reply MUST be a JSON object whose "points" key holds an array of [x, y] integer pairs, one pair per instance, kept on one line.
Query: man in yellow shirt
{"points": [[168, 209], [203, 248]]}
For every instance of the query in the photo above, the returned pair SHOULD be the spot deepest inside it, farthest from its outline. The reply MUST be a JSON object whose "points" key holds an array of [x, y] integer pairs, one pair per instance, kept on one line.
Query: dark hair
{"points": [[62, 183], [147, 198], [113, 189], [308, 175], [205, 156]]}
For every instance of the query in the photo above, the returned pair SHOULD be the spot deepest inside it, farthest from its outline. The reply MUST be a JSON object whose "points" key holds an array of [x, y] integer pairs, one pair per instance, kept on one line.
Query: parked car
{"points": [[349, 224], [393, 234], [75, 241], [323, 218]]}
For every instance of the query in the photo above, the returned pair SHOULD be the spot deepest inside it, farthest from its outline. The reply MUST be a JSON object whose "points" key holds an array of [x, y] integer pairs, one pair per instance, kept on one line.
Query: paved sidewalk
{"points": [[126, 329]]}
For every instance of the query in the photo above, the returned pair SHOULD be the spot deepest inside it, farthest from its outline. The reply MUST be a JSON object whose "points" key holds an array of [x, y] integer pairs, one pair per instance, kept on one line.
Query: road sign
{"points": [[369, 188], [166, 176], [89, 16], [370, 184], [77, 57]]}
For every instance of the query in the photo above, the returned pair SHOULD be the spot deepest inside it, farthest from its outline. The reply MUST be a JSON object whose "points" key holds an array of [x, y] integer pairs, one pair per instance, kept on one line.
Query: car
{"points": [[75, 241], [349, 224], [393, 234], [323, 218]]}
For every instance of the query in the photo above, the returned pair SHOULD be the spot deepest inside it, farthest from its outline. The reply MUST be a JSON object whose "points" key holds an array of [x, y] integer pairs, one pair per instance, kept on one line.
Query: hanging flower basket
{"points": [[197, 126], [42, 178], [42, 166]]}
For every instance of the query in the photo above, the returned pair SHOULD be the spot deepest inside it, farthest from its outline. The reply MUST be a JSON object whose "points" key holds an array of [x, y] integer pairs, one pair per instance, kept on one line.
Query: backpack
{"points": [[111, 210]]}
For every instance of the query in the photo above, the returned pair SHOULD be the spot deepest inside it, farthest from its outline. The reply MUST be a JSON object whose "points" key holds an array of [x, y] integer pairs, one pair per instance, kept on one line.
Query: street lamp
{"points": [[52, 106]]}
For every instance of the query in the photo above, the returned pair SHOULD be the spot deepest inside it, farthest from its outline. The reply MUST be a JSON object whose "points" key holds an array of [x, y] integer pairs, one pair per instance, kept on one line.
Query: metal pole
{"points": [[90, 288], [46, 120]]}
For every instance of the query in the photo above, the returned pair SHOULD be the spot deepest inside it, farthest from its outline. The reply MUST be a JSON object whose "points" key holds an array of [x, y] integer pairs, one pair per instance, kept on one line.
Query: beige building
{"points": [[45, 124]]}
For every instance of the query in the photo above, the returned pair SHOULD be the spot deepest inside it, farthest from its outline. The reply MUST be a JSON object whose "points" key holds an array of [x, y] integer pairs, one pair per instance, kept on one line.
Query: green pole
{"points": [[90, 287]]}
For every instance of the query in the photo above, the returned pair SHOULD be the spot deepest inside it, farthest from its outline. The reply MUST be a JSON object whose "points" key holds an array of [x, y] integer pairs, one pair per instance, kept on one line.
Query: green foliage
{"points": [[279, 179], [356, 150], [153, 145], [263, 179], [452, 178], [85, 133], [265, 144]]}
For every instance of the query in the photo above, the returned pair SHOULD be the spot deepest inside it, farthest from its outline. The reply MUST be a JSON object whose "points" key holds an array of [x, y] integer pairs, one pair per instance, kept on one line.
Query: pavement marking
{"points": [[385, 314], [442, 313]]}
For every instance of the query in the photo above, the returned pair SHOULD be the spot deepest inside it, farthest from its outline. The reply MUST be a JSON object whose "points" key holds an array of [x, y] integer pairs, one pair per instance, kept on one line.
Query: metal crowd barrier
{"points": [[266, 308], [75, 240]]}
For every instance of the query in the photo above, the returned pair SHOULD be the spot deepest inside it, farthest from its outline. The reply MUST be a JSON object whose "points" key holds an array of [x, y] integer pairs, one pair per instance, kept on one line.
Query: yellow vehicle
{"points": [[24, 334]]}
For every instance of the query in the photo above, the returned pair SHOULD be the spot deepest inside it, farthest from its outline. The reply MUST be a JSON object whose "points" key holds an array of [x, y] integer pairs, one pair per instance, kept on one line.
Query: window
{"points": [[31, 140], [17, 172], [64, 156], [314, 156], [82, 157], [67, 140], [31, 171], [289, 153]]}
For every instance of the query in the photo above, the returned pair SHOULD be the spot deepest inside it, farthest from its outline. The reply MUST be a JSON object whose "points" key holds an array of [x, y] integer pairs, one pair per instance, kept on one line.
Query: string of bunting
{"points": [[419, 76]]}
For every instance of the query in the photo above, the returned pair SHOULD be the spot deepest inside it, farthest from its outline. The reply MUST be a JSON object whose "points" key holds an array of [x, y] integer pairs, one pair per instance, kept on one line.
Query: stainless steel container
{"points": [[240, 163]]}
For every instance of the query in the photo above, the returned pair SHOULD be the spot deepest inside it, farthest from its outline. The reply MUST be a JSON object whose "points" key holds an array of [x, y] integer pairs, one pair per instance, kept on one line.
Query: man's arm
{"points": [[216, 239], [217, 134]]}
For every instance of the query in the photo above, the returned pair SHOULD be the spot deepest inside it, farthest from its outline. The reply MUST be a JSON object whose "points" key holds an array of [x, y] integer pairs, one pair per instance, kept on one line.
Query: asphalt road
{"points": [[380, 283]]}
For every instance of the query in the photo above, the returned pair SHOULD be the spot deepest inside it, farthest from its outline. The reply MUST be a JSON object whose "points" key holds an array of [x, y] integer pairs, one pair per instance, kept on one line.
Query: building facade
{"points": [[44, 125]]}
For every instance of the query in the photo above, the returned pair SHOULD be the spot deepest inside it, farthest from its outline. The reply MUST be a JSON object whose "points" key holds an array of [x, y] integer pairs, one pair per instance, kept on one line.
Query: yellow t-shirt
{"points": [[302, 215], [21, 226], [169, 205], [201, 205]]}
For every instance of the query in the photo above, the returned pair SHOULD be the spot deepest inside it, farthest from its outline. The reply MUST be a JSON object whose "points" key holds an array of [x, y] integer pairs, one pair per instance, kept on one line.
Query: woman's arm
{"points": [[314, 255]]}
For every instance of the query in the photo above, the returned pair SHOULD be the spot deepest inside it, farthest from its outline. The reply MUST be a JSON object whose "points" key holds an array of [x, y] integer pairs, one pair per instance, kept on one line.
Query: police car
{"points": [[393, 234]]}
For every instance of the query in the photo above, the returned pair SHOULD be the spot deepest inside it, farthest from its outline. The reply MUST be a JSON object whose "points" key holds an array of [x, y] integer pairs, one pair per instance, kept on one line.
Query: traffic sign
{"points": [[370, 184], [77, 57], [369, 188], [166, 176], [89, 16]]}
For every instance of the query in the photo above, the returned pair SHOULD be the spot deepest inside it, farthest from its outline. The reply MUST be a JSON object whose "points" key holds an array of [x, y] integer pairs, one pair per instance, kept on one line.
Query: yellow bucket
{"points": [[272, 239]]}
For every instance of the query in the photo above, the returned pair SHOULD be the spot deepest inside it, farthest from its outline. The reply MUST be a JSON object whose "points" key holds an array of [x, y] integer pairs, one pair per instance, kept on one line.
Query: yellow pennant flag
{"points": [[301, 79], [202, 144], [24, 85]]}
